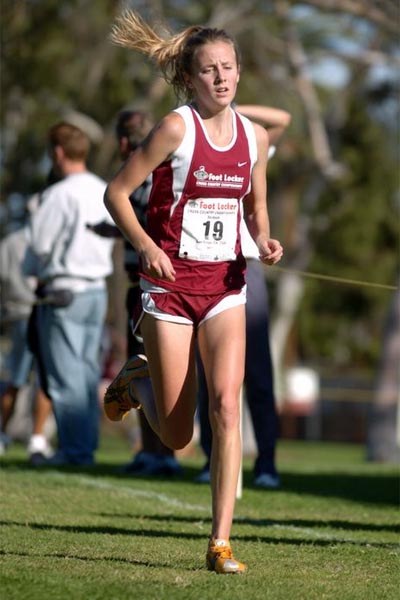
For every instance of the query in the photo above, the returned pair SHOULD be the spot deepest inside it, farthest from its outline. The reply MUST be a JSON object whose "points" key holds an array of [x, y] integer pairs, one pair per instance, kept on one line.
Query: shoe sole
{"points": [[116, 406], [211, 566]]}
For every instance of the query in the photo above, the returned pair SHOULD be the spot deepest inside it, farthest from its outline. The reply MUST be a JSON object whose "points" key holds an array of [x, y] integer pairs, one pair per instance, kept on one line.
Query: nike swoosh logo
{"points": [[241, 164]]}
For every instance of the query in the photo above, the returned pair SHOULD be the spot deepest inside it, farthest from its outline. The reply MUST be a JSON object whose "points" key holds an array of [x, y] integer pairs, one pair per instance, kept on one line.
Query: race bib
{"points": [[209, 229]]}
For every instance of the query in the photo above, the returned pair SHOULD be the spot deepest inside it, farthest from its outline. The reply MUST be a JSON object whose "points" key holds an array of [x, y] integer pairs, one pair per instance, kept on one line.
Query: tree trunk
{"points": [[383, 444]]}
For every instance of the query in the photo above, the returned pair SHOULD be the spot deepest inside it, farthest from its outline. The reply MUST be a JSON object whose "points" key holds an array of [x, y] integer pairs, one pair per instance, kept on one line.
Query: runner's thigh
{"points": [[170, 351], [222, 347]]}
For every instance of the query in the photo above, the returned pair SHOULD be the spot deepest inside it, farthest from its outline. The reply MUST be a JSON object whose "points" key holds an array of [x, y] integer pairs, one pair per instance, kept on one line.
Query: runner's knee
{"points": [[225, 416]]}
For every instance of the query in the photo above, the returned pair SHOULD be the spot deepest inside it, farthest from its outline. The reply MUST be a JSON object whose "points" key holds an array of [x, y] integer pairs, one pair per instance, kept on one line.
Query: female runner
{"points": [[208, 164]]}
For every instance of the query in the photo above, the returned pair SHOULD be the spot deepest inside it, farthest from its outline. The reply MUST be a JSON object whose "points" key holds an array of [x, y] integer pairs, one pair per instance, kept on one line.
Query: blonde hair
{"points": [[173, 53]]}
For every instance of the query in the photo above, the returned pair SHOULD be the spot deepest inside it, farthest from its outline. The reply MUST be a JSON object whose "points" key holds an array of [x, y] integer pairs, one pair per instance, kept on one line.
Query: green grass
{"points": [[331, 532]]}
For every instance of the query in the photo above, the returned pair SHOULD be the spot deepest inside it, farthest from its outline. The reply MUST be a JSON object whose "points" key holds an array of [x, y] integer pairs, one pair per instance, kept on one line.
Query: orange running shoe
{"points": [[119, 398], [220, 558]]}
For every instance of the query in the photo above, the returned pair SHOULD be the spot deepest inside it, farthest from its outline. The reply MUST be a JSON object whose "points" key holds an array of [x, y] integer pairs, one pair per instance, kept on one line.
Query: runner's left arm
{"points": [[255, 204]]}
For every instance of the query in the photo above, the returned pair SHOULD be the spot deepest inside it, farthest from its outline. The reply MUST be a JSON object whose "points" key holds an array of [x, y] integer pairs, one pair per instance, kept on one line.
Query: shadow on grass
{"points": [[316, 523], [363, 488], [367, 488], [156, 533], [113, 559]]}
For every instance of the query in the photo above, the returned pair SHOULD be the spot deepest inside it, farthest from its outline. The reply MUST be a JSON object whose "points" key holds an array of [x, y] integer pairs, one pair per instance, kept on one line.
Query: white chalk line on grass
{"points": [[128, 491], [171, 501], [295, 528], [312, 533]]}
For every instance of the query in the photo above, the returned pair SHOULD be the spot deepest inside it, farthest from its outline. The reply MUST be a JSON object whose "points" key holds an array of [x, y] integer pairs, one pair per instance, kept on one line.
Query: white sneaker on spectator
{"points": [[39, 449]]}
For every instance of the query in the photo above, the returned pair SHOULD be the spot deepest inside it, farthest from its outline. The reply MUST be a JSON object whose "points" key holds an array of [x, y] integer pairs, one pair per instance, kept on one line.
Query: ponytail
{"points": [[173, 54]]}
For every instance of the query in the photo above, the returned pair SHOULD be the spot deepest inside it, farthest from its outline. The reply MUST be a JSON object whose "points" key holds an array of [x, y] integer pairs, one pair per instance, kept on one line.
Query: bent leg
{"points": [[222, 347], [151, 443], [170, 352]]}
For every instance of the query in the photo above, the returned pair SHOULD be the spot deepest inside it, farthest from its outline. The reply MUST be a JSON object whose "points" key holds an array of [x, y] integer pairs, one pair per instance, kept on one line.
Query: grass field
{"points": [[331, 532]]}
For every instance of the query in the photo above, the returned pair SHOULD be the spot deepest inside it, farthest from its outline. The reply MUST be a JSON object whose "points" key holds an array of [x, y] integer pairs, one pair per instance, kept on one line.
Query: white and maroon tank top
{"points": [[195, 206]]}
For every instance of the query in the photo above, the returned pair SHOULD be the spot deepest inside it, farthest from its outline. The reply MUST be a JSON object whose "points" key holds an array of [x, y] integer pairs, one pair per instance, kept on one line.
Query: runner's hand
{"points": [[157, 264], [271, 252]]}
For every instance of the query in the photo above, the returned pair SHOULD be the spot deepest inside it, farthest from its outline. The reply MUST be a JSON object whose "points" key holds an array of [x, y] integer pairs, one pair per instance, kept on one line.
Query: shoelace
{"points": [[223, 553], [112, 395]]}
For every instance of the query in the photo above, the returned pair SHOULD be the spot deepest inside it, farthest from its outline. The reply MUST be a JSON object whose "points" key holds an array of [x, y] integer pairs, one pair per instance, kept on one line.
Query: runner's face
{"points": [[215, 74]]}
